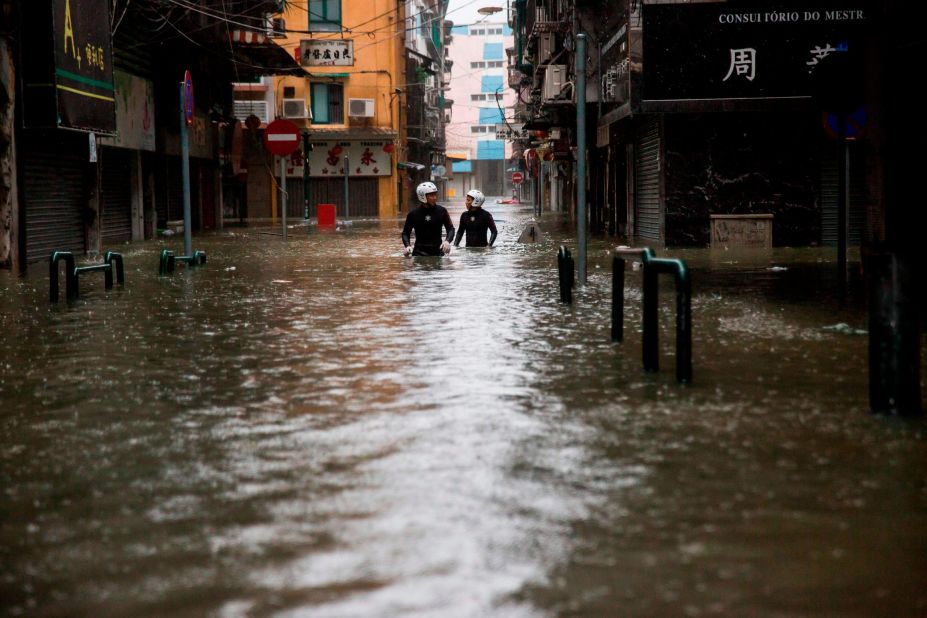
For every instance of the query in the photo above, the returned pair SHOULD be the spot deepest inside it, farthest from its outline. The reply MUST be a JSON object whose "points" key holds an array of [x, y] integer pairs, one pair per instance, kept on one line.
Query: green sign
{"points": [[69, 79]]}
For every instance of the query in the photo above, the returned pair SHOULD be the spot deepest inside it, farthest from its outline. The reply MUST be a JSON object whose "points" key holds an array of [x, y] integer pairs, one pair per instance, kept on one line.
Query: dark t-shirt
{"points": [[475, 223], [426, 222]]}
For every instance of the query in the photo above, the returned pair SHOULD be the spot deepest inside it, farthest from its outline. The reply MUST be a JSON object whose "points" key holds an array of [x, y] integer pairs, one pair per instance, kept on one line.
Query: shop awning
{"points": [[408, 165], [537, 124], [352, 133], [256, 54]]}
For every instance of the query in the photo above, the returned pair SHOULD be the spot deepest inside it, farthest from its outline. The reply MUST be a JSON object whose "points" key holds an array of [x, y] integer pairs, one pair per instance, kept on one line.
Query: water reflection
{"points": [[330, 429]]}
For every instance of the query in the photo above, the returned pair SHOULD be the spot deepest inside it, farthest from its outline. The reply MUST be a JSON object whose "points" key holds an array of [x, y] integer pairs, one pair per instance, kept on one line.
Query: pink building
{"points": [[478, 157]]}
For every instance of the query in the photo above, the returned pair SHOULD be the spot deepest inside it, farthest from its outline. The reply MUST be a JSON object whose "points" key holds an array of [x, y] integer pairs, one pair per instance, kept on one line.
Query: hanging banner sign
{"points": [[751, 50], [67, 66], [366, 158], [326, 53]]}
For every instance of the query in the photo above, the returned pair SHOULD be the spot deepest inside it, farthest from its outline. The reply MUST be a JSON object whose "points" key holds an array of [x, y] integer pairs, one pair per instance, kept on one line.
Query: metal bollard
{"points": [[894, 335], [653, 266], [70, 278], [565, 270]]}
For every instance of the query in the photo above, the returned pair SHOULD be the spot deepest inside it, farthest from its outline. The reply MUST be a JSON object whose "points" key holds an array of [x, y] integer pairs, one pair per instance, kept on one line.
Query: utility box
{"points": [[741, 231], [325, 215]]}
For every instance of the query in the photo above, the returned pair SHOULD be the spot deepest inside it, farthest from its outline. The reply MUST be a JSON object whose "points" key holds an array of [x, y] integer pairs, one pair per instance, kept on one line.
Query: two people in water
{"points": [[428, 219]]}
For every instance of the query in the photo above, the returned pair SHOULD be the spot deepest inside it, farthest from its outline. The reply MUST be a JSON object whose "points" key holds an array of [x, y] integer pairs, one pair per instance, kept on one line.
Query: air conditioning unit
{"points": [[294, 108], [241, 109], [554, 78], [546, 44], [360, 108]]}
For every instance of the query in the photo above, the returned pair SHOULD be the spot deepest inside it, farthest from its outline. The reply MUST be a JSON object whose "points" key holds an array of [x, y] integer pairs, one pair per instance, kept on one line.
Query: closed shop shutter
{"points": [[116, 194], [294, 198], [857, 197], [364, 196], [649, 212], [54, 175]]}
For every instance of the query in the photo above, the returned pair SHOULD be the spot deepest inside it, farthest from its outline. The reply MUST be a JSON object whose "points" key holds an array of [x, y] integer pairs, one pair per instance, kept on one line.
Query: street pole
{"points": [[185, 158], [347, 170], [283, 192], [306, 176], [581, 154]]}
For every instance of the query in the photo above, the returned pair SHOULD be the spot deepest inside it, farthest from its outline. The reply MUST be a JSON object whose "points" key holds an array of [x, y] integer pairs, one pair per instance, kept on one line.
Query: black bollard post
{"points": [[683, 325], [70, 279], [651, 303], [115, 259], [894, 336], [617, 299], [565, 269]]}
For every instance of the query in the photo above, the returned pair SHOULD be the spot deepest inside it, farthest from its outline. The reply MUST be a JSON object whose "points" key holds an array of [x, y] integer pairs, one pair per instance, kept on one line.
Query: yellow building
{"points": [[349, 102]]}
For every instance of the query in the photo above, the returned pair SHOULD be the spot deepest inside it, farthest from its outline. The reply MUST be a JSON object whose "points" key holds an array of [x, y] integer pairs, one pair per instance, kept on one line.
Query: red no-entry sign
{"points": [[517, 178], [281, 137]]}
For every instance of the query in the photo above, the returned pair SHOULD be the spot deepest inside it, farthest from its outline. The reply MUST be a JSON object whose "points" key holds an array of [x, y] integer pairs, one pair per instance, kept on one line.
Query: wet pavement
{"points": [[327, 428]]}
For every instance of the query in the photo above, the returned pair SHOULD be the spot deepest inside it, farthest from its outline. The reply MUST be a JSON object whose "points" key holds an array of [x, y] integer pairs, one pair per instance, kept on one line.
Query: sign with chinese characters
{"points": [[135, 117], [68, 77], [326, 52], [744, 51], [326, 160]]}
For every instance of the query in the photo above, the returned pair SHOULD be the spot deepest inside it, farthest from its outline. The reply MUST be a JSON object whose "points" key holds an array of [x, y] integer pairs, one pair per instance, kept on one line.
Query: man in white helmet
{"points": [[475, 222], [426, 221]]}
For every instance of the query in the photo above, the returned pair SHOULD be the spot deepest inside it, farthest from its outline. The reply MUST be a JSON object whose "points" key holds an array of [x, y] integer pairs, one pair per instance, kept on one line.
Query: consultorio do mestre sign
{"points": [[759, 52]]}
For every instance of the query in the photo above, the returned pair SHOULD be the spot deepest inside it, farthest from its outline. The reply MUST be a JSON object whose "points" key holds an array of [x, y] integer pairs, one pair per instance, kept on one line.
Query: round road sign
{"points": [[517, 178], [281, 137], [188, 97]]}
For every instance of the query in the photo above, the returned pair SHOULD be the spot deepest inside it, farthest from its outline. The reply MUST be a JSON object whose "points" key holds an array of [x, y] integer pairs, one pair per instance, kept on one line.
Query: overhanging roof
{"points": [[256, 54], [372, 133]]}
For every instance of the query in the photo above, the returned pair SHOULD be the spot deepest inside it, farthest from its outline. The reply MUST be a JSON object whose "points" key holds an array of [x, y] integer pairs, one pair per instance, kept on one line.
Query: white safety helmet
{"points": [[478, 197], [424, 189]]}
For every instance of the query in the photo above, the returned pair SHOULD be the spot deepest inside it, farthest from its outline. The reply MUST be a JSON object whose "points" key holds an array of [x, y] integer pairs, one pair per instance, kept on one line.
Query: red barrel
{"points": [[325, 215]]}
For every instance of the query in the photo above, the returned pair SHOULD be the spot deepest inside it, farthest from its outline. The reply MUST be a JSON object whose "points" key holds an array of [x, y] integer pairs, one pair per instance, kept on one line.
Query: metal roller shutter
{"points": [[857, 197], [294, 198], [54, 175], [649, 211], [116, 196], [364, 195]]}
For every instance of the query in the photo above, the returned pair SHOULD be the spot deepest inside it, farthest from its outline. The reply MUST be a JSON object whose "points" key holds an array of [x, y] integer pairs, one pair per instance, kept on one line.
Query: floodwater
{"points": [[327, 428]]}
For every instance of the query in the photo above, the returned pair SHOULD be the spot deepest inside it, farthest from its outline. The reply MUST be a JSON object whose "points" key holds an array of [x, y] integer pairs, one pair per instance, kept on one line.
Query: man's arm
{"points": [[448, 226], [460, 230], [407, 231], [492, 229]]}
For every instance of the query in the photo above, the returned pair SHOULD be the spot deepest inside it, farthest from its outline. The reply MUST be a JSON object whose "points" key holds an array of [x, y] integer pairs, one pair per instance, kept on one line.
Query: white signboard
{"points": [[365, 158], [326, 53], [135, 117]]}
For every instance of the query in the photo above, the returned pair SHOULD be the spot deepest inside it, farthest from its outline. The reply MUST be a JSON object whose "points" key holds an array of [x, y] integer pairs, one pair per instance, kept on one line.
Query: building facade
{"points": [[743, 127], [348, 103], [92, 124], [477, 146]]}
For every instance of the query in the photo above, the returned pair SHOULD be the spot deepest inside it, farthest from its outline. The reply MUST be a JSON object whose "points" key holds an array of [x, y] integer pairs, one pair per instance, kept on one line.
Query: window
{"points": [[289, 92], [490, 149], [490, 115], [327, 104], [325, 15], [492, 51], [494, 64], [477, 129], [477, 97], [478, 65], [477, 32], [490, 83]]}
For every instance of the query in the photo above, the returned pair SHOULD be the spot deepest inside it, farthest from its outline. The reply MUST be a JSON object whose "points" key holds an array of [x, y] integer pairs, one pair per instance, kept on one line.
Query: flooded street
{"points": [[327, 428]]}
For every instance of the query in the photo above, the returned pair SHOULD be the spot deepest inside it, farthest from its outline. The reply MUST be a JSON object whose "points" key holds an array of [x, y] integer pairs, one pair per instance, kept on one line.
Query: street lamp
{"points": [[489, 10]]}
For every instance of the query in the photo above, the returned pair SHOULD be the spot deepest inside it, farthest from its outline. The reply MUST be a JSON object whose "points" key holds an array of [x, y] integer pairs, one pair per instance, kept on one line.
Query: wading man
{"points": [[475, 222], [426, 221]]}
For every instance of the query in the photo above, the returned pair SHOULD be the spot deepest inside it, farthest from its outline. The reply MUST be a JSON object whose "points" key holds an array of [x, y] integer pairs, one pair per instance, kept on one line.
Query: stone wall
{"points": [[742, 163], [8, 203]]}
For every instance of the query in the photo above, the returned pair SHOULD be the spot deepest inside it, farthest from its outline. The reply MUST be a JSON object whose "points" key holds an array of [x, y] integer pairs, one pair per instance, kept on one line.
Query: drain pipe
{"points": [[581, 154]]}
